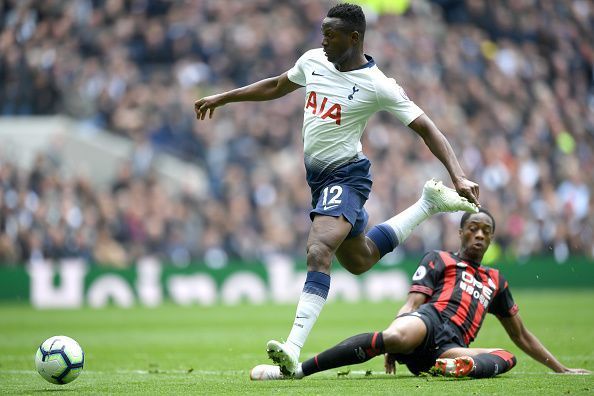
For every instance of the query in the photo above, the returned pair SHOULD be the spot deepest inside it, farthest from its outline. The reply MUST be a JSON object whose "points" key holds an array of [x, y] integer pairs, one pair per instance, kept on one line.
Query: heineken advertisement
{"points": [[74, 283]]}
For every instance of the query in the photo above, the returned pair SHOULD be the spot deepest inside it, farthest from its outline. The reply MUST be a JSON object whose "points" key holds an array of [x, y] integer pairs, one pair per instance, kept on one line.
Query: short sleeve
{"points": [[392, 98], [427, 274], [296, 73], [503, 304]]}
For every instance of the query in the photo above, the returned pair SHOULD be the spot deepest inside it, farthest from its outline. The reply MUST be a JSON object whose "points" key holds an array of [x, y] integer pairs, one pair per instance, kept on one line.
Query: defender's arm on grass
{"points": [[441, 148], [413, 302], [267, 89], [528, 342]]}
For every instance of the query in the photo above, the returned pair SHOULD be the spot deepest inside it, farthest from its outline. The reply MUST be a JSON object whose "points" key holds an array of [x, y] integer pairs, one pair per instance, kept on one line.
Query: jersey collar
{"points": [[472, 263], [370, 63]]}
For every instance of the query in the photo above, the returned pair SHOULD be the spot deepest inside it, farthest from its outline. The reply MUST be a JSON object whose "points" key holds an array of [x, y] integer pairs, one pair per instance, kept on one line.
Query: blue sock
{"points": [[384, 238], [317, 283]]}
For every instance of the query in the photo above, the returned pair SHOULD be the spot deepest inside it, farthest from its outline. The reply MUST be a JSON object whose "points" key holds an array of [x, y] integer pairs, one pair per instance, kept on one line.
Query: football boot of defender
{"points": [[282, 355], [445, 199], [456, 367]]}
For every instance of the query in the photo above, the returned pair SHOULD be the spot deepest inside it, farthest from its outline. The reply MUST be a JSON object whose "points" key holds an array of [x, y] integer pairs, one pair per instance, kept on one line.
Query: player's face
{"points": [[337, 43], [476, 236]]}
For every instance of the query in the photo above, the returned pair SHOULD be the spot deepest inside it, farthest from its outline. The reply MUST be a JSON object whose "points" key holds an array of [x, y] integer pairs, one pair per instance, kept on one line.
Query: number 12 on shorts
{"points": [[331, 198]]}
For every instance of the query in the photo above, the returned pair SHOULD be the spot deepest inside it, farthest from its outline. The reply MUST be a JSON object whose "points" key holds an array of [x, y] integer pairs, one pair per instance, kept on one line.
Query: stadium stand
{"points": [[510, 82]]}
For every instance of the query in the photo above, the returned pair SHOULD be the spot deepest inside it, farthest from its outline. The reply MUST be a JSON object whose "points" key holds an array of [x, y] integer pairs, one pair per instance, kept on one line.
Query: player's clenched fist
{"points": [[207, 104], [467, 189]]}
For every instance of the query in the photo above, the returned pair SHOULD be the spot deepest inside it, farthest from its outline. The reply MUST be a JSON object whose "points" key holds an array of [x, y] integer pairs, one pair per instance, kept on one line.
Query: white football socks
{"points": [[308, 310], [406, 221]]}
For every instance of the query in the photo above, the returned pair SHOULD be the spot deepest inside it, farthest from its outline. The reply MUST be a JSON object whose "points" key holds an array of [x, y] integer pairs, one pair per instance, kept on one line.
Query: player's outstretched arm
{"points": [[441, 148], [413, 302], [267, 89], [528, 342]]}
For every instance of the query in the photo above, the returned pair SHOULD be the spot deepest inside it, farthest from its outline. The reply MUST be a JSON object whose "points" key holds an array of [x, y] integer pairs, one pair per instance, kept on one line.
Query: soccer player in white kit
{"points": [[344, 87]]}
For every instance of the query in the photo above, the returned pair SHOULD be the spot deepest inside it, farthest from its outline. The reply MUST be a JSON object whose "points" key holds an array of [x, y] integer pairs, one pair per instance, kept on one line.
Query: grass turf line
{"points": [[197, 350]]}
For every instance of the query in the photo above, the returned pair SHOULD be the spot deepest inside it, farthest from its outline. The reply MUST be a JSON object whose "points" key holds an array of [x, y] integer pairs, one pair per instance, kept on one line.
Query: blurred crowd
{"points": [[47, 213], [510, 83]]}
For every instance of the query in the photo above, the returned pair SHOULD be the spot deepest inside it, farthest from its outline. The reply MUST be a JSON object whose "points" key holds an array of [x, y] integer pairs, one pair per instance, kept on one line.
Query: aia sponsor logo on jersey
{"points": [[323, 108], [476, 289]]}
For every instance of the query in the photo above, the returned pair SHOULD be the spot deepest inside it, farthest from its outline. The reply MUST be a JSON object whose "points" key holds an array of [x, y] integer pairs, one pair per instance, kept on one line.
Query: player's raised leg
{"points": [[326, 234], [360, 253], [357, 254]]}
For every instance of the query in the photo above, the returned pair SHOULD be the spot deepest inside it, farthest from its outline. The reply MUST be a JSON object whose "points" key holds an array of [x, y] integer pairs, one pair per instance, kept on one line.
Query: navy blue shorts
{"points": [[343, 191], [441, 336]]}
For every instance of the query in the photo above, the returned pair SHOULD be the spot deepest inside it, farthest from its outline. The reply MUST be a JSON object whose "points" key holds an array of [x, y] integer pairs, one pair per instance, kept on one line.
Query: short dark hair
{"points": [[351, 14], [467, 215]]}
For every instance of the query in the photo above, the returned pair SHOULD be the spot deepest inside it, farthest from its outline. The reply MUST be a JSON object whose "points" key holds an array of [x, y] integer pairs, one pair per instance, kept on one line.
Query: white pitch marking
{"points": [[156, 371]]}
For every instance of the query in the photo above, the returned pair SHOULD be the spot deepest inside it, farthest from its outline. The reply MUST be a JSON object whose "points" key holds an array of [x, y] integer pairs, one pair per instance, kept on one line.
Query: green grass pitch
{"points": [[196, 350]]}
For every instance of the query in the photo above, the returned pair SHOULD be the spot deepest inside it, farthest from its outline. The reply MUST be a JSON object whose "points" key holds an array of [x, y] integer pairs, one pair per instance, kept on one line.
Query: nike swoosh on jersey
{"points": [[330, 207], [313, 73]]}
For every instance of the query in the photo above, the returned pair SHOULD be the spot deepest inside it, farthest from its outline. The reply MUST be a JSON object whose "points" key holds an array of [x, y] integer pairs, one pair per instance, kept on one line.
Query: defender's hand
{"points": [[390, 363], [208, 105], [576, 371], [467, 189]]}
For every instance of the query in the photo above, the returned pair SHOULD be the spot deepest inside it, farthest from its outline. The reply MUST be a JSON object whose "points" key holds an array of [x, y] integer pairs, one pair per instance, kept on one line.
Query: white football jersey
{"points": [[338, 105]]}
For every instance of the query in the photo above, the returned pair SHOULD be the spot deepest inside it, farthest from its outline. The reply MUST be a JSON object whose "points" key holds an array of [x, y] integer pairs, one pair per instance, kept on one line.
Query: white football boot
{"points": [[284, 356], [266, 372], [444, 199]]}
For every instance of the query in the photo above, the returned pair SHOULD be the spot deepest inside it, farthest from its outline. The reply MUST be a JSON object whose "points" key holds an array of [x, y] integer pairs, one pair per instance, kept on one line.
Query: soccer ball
{"points": [[59, 360]]}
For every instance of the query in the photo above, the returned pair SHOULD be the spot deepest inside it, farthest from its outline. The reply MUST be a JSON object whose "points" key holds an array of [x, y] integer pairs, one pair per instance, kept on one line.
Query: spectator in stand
{"points": [[517, 94]]}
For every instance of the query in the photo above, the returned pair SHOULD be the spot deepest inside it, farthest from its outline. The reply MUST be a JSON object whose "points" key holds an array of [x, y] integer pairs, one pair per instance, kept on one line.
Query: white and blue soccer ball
{"points": [[59, 360]]}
